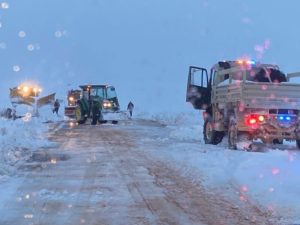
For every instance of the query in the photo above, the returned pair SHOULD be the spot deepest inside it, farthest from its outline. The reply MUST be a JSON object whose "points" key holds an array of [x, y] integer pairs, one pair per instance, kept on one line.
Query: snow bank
{"points": [[18, 139]]}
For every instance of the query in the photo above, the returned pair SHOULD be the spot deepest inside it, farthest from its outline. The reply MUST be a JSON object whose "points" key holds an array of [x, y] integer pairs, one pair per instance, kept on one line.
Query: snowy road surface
{"points": [[104, 175]]}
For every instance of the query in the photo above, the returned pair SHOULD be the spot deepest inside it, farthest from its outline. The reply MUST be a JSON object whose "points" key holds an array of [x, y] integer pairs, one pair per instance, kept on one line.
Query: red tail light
{"points": [[254, 119]]}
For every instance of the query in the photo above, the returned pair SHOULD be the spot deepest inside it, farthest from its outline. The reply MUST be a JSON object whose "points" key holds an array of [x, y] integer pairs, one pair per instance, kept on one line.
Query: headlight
{"points": [[71, 99], [25, 89], [107, 104]]}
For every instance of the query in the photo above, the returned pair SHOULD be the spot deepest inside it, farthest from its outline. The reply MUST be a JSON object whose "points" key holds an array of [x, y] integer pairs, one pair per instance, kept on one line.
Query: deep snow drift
{"points": [[19, 138]]}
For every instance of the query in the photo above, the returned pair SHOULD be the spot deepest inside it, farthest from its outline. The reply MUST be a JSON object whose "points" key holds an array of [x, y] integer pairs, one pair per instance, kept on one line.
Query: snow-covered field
{"points": [[269, 177]]}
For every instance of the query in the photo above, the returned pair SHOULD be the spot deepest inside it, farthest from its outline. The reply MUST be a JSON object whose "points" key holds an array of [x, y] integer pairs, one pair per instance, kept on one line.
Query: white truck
{"points": [[246, 100]]}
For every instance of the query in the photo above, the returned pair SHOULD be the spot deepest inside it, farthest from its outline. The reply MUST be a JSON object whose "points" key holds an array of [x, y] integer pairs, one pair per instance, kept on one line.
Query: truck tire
{"points": [[210, 135], [232, 135], [277, 142], [79, 115], [298, 144]]}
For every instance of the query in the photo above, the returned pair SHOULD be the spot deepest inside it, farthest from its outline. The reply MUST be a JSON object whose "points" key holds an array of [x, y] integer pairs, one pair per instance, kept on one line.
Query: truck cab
{"points": [[72, 100]]}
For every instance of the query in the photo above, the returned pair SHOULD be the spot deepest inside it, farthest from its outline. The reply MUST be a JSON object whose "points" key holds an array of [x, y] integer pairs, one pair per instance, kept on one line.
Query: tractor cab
{"points": [[96, 102], [103, 93]]}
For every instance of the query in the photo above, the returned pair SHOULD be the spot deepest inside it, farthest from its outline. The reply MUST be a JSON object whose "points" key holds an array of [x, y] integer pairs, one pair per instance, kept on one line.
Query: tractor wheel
{"points": [[210, 135], [100, 120], [95, 116], [232, 135], [79, 116]]}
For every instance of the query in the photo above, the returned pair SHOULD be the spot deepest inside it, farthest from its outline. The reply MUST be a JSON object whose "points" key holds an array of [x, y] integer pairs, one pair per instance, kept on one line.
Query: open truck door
{"points": [[198, 88]]}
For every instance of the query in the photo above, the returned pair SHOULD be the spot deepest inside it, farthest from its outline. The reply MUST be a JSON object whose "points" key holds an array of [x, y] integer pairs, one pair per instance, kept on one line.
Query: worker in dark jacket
{"points": [[56, 106], [130, 108]]}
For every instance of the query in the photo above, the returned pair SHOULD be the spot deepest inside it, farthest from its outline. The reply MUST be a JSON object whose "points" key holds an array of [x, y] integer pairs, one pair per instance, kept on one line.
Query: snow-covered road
{"points": [[111, 175]]}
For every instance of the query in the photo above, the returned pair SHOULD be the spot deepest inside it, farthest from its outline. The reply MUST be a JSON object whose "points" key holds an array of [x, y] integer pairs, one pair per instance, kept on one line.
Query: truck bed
{"points": [[259, 95]]}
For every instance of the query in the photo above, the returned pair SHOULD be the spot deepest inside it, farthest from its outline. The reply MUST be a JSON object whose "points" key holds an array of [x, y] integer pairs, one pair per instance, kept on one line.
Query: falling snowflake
{"points": [[30, 47], [16, 68], [262, 48], [271, 189], [246, 20], [2, 45], [275, 171], [22, 34], [4, 5], [58, 34], [28, 216], [244, 188], [37, 47]]}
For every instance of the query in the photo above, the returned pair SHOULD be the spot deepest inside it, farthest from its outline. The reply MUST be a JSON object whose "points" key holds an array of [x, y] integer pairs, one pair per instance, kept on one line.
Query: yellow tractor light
{"points": [[25, 89]]}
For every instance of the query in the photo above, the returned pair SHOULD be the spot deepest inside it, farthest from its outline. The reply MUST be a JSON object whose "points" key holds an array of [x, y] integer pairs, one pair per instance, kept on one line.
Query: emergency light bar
{"points": [[246, 62]]}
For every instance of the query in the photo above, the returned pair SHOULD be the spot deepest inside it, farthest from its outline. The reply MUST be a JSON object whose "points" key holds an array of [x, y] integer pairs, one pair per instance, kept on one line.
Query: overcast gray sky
{"points": [[143, 47]]}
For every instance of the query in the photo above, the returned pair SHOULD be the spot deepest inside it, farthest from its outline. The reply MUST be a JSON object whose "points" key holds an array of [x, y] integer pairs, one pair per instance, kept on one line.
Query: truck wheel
{"points": [[232, 135], [210, 135], [277, 142], [80, 118], [298, 144]]}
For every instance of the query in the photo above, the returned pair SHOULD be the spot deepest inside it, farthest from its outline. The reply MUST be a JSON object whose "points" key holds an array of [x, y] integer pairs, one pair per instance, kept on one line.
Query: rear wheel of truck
{"points": [[232, 135], [79, 116], [210, 135], [277, 142]]}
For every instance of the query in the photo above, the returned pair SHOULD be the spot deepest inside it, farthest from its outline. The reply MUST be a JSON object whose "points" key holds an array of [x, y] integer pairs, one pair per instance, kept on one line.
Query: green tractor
{"points": [[95, 102]]}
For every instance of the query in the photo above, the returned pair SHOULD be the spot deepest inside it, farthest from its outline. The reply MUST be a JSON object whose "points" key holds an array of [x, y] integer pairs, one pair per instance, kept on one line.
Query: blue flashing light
{"points": [[251, 62], [281, 118], [288, 118]]}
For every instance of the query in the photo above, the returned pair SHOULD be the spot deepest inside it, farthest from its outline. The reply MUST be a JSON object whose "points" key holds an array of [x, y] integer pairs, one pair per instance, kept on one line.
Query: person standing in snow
{"points": [[130, 108], [56, 106]]}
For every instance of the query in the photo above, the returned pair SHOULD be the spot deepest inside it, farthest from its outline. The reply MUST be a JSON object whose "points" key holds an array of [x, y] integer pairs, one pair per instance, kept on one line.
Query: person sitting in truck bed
{"points": [[270, 75]]}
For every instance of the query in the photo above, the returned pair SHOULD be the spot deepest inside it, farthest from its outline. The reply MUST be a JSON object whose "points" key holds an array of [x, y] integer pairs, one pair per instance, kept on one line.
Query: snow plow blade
{"points": [[46, 100], [114, 116]]}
